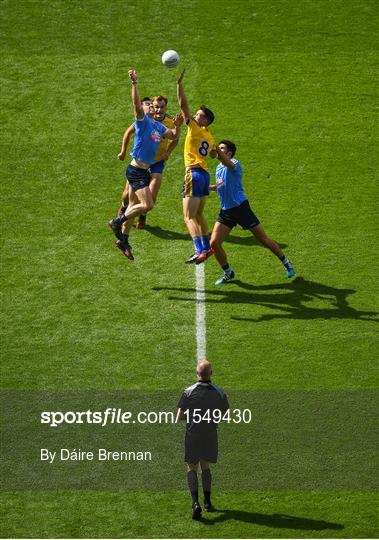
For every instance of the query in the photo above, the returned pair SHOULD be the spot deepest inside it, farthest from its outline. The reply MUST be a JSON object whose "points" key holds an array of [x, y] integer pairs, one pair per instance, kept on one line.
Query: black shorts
{"points": [[201, 446], [137, 178], [239, 215]]}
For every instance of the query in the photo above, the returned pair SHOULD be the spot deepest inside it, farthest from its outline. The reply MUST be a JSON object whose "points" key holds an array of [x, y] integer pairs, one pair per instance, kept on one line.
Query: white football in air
{"points": [[170, 59]]}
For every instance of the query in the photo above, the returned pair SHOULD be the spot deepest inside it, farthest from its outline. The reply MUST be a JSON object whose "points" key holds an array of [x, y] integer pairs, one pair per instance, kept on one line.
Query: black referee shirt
{"points": [[204, 396]]}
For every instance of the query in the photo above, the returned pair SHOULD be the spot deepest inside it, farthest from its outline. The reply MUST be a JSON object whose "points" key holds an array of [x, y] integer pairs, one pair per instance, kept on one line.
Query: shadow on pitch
{"points": [[278, 521], [291, 300], [165, 234]]}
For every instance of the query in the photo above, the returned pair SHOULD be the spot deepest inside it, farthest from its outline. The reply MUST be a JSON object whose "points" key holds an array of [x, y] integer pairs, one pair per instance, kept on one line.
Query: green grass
{"points": [[293, 84], [166, 515]]}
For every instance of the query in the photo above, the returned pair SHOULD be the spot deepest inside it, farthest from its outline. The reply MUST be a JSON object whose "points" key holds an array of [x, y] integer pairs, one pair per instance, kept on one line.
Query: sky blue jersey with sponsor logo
{"points": [[148, 135], [229, 185]]}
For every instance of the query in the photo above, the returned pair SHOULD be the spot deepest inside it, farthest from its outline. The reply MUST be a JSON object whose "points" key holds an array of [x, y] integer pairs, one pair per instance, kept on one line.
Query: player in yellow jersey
{"points": [[199, 146], [164, 151]]}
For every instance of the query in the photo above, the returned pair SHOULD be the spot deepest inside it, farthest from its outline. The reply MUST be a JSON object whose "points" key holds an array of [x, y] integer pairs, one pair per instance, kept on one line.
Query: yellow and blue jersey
{"points": [[168, 121], [198, 144]]}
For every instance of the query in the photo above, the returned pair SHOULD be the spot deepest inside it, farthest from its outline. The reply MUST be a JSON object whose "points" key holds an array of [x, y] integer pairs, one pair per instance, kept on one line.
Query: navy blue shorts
{"points": [[157, 167], [137, 178], [239, 215], [196, 183]]}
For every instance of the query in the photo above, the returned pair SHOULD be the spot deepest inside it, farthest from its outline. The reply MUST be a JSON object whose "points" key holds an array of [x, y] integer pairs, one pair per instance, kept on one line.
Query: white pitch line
{"points": [[201, 340]]}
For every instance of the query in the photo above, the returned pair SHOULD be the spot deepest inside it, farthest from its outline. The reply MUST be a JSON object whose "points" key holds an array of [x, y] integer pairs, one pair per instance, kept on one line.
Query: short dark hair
{"points": [[229, 145], [145, 99], [208, 113]]}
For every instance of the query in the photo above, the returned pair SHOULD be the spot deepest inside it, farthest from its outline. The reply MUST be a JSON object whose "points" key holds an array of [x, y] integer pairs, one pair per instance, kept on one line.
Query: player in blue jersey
{"points": [[164, 151], [148, 135], [235, 210]]}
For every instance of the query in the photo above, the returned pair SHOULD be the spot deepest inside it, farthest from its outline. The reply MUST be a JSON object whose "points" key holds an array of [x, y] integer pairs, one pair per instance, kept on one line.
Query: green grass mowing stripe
{"points": [[242, 515]]}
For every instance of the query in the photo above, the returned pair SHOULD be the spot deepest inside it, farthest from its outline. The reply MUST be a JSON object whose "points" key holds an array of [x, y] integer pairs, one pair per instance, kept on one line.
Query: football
{"points": [[170, 59]]}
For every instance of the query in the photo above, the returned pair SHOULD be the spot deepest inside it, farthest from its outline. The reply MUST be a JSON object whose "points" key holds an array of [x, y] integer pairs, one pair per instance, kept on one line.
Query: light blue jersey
{"points": [[229, 185], [148, 135]]}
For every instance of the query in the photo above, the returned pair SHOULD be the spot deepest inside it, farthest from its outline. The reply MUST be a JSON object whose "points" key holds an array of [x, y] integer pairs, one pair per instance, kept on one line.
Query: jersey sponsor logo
{"points": [[155, 136]]}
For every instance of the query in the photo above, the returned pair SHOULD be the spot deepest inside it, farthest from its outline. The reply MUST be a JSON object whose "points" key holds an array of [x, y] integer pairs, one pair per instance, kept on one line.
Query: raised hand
{"points": [[132, 75], [179, 119]]}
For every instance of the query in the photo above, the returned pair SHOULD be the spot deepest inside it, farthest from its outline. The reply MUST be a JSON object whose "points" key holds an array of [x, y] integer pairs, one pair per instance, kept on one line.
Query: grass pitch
{"points": [[293, 84]]}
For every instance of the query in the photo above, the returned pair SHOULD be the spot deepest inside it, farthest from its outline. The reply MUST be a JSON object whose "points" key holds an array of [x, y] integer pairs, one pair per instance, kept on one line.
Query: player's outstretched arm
{"points": [[138, 111], [182, 99], [174, 134], [171, 147], [213, 187], [125, 142]]}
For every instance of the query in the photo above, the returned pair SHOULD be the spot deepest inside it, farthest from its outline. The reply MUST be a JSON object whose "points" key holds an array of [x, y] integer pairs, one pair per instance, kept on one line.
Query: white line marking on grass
{"points": [[201, 340]]}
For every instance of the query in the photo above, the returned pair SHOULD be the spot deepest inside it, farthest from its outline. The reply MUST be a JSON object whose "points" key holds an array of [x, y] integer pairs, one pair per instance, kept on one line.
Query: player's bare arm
{"points": [[171, 147], [138, 111], [224, 159], [174, 134], [213, 187], [182, 99], [125, 142]]}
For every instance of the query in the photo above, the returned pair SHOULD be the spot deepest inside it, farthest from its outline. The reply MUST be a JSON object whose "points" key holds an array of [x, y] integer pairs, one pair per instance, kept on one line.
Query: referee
{"points": [[197, 406]]}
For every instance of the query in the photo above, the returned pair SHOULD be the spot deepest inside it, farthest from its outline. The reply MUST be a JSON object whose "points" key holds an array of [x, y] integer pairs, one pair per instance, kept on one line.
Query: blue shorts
{"points": [[157, 167], [137, 178], [196, 183]]}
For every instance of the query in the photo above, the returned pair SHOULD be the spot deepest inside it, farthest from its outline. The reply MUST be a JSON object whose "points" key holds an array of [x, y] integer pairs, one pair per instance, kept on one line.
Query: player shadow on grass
{"points": [[278, 521], [293, 300], [249, 241], [166, 234], [301, 290], [173, 235]]}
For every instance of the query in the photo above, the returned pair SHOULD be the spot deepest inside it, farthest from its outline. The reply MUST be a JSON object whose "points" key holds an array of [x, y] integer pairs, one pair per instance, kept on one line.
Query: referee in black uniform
{"points": [[199, 401]]}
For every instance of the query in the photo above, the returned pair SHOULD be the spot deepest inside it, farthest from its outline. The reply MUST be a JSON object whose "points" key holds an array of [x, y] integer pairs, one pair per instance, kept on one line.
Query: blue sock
{"points": [[205, 242], [198, 244]]}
